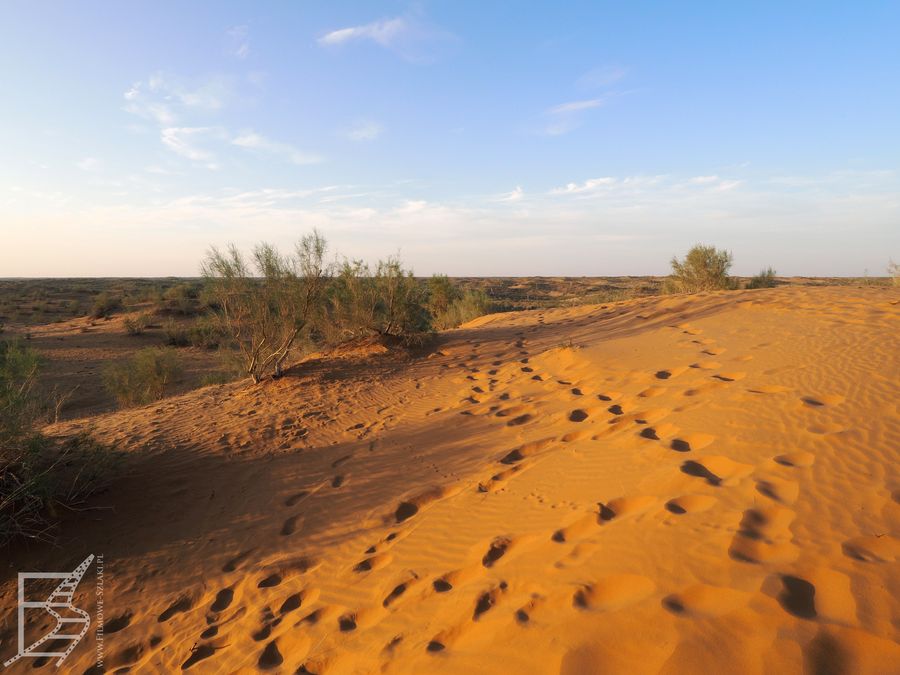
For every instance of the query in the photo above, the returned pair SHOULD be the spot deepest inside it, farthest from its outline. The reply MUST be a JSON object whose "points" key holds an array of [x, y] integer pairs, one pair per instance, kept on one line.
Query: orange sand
{"points": [[702, 484]]}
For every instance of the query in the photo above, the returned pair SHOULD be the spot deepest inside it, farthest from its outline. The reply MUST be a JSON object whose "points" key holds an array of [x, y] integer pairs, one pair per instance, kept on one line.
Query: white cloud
{"points": [[514, 196], [185, 141], [164, 100], [623, 225], [590, 185], [251, 140], [575, 106], [365, 130], [409, 36], [383, 32], [566, 117]]}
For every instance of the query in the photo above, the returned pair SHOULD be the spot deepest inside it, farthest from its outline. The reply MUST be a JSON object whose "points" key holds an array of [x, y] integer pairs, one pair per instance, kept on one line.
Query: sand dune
{"points": [[669, 485]]}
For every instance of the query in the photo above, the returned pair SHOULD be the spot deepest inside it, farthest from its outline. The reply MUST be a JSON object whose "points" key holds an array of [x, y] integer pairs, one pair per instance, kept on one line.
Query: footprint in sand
{"points": [[627, 507], [580, 527], [873, 548], [183, 604], [779, 489], [578, 415], [717, 470], [373, 562], [398, 590], [527, 450], [289, 526], [822, 401], [690, 504], [498, 548], [691, 441], [237, 561], [831, 598], [765, 536], [796, 459], [613, 592], [702, 600]]}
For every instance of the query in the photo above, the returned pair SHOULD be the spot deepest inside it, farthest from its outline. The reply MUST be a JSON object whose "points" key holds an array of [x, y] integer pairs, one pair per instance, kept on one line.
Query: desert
{"points": [[449, 338]]}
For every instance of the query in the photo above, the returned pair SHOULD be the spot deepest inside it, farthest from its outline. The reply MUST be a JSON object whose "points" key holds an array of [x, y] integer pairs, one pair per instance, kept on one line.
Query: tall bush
{"points": [[265, 303], [704, 268]]}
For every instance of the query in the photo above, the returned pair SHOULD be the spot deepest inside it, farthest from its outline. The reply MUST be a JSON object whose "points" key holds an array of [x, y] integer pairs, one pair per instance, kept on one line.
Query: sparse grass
{"points": [[143, 377], [38, 475], [470, 305], [765, 279]]}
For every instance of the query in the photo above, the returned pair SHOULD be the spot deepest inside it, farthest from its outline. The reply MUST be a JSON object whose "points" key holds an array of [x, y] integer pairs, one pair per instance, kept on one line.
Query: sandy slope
{"points": [[671, 485]]}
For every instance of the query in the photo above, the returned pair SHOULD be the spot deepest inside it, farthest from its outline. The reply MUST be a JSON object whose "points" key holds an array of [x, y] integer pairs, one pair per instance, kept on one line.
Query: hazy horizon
{"points": [[594, 139]]}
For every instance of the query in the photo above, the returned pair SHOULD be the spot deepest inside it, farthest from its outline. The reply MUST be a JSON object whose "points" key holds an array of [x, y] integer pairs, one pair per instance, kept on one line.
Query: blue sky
{"points": [[582, 138]]}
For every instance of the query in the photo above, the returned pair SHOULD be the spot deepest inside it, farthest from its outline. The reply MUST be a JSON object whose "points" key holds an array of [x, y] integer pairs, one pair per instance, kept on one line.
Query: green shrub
{"points": [[176, 334], [470, 305], [143, 377], [441, 294], [705, 268], [105, 304], [181, 299], [267, 303], [136, 325], [765, 279], [206, 332], [389, 302]]}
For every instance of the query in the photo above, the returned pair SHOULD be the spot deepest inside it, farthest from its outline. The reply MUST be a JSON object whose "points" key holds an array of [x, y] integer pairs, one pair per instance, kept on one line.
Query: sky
{"points": [[474, 138]]}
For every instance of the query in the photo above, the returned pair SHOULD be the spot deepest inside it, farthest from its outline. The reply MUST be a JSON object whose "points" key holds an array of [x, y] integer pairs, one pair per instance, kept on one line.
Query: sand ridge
{"points": [[665, 485]]}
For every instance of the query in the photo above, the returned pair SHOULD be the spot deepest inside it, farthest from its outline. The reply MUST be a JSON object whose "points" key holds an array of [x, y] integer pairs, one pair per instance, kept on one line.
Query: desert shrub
{"points": [[180, 299], [441, 294], [705, 268], [176, 334], [105, 304], [894, 272], [143, 377], [38, 475], [136, 325], [266, 303], [470, 305], [19, 402], [206, 332], [389, 302], [765, 279]]}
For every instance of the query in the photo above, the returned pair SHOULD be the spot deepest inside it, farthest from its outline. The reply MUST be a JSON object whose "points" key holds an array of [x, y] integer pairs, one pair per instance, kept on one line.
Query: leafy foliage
{"points": [[705, 268]]}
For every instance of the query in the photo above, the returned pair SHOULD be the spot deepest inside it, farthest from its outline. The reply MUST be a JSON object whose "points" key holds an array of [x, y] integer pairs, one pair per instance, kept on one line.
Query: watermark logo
{"points": [[71, 623]]}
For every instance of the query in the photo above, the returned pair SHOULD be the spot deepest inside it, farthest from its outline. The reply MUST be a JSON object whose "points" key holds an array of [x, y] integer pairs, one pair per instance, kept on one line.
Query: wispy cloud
{"points": [[238, 37], [565, 117], [365, 130], [187, 142], [410, 36], [250, 140], [513, 196], [383, 32], [590, 185], [164, 100], [602, 76]]}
